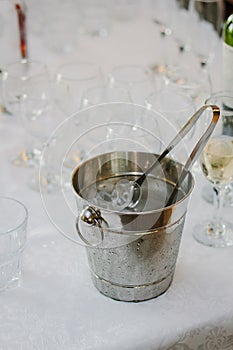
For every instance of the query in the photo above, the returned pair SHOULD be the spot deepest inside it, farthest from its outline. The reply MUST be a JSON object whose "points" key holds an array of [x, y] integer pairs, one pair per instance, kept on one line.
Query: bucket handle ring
{"points": [[92, 217]]}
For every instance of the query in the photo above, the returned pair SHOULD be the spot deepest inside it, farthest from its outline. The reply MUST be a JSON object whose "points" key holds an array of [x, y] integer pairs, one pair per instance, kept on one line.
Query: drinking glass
{"points": [[14, 80], [71, 80], [206, 18], [13, 232], [223, 99], [216, 162], [138, 80], [40, 116]]}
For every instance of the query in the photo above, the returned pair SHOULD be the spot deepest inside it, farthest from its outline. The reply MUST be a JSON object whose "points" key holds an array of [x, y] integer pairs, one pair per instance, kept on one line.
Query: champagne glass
{"points": [[224, 99], [206, 18], [14, 81], [217, 165]]}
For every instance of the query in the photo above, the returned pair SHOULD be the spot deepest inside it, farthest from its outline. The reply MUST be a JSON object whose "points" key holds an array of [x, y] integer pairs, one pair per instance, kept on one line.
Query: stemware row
{"points": [[29, 90]]}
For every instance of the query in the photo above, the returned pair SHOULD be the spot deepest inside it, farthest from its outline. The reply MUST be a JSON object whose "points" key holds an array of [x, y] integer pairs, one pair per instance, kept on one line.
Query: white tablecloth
{"points": [[56, 305]]}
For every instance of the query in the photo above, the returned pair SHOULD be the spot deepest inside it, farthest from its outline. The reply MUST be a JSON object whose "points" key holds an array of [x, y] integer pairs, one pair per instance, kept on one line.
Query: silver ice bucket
{"points": [[132, 253], [132, 250]]}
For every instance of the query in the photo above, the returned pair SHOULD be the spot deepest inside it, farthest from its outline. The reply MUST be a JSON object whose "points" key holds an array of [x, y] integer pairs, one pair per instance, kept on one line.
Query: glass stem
{"points": [[219, 227]]}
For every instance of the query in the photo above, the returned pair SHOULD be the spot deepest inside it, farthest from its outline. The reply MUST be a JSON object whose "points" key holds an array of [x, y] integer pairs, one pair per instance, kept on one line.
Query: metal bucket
{"points": [[132, 253]]}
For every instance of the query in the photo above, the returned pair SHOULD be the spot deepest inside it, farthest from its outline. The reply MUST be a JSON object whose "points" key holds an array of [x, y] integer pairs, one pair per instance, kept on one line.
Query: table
{"points": [[57, 307]]}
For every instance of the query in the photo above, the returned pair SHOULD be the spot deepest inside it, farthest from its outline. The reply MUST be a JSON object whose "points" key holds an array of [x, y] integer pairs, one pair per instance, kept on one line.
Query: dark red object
{"points": [[22, 30]]}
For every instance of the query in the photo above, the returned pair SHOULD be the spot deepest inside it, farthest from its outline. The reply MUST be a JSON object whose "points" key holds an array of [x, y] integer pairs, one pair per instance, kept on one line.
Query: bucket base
{"points": [[131, 293]]}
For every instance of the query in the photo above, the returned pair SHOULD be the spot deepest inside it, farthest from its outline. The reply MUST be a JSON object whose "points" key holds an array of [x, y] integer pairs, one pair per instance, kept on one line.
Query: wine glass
{"points": [[91, 97], [206, 18], [216, 163], [14, 81], [71, 80], [40, 117], [189, 78], [105, 94], [223, 99], [137, 79]]}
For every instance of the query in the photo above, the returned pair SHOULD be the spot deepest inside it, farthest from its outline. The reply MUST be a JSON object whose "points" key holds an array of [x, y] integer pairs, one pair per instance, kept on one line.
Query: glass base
{"points": [[205, 234], [26, 159]]}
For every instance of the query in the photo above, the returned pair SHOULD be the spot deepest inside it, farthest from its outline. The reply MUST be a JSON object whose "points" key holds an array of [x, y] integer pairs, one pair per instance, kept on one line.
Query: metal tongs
{"points": [[126, 194], [136, 185]]}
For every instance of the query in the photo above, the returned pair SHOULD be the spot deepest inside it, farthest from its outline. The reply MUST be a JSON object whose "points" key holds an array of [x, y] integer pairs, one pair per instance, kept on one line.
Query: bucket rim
{"points": [[127, 212]]}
